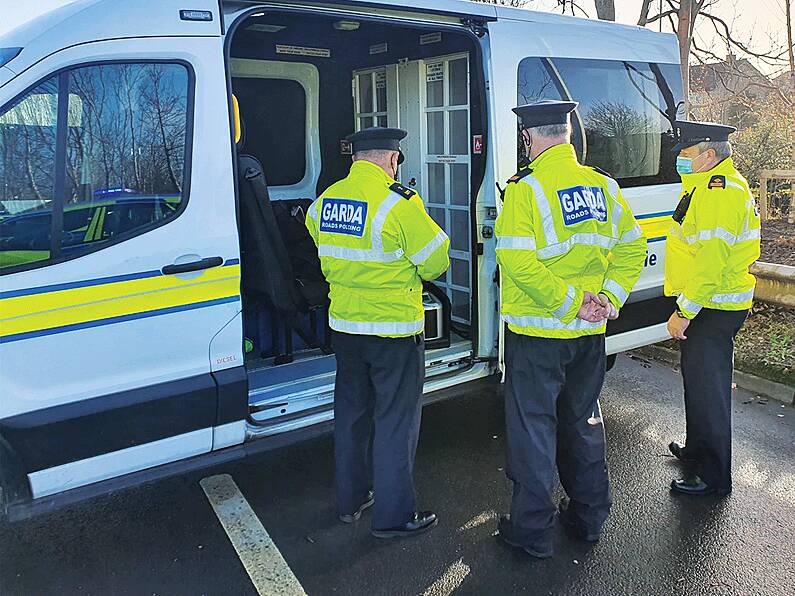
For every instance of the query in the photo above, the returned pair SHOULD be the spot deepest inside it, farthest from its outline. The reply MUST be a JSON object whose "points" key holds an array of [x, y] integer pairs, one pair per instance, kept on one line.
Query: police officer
{"points": [[570, 251], [377, 244], [713, 242]]}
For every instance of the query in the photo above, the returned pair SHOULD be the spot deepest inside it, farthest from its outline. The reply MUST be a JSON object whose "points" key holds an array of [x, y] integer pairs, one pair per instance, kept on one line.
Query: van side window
{"points": [[93, 155], [27, 166], [624, 121]]}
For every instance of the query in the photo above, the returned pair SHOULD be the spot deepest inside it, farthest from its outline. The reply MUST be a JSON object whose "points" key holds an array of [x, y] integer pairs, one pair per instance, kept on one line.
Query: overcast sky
{"points": [[753, 21]]}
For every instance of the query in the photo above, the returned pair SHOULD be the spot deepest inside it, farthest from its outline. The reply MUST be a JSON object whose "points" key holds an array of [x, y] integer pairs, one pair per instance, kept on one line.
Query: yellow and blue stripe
{"points": [[59, 308], [655, 226]]}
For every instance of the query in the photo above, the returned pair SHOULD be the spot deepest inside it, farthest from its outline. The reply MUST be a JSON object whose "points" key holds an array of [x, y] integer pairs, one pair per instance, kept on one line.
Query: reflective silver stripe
{"points": [[569, 300], [588, 239], [372, 328], [721, 233], [676, 231], [726, 236], [379, 219], [613, 286], [516, 242], [735, 185], [547, 221], [312, 212], [686, 304], [735, 297], [618, 210], [750, 235], [612, 187], [358, 254], [422, 255], [551, 323], [631, 235]]}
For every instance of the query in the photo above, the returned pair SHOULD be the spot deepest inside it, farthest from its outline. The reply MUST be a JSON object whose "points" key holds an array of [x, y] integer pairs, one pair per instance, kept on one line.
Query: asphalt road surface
{"points": [[165, 538]]}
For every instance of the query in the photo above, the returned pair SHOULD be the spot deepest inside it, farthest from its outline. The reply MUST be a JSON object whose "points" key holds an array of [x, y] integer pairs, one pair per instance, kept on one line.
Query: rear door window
{"points": [[624, 121], [92, 156]]}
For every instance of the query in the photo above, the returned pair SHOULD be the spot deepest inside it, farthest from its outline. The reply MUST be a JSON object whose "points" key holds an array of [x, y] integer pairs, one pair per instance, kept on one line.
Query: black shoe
{"points": [[679, 452], [573, 526], [506, 535], [421, 523], [693, 485], [349, 518]]}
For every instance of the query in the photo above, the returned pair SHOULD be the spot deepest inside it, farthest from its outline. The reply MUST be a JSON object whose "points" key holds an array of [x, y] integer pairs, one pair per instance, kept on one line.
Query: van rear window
{"points": [[273, 115], [624, 123]]}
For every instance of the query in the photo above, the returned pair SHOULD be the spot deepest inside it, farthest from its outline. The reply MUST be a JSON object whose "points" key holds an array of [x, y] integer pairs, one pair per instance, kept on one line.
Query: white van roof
{"points": [[85, 21]]}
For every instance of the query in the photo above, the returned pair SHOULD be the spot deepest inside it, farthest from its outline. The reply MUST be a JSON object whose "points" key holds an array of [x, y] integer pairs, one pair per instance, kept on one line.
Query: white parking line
{"points": [[263, 562]]}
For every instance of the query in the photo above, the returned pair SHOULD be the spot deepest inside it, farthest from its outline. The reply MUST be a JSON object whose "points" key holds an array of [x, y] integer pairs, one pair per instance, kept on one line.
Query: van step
{"points": [[309, 385], [321, 414]]}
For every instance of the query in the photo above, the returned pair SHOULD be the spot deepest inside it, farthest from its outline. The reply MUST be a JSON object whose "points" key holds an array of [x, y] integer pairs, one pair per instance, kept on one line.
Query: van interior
{"points": [[302, 83]]}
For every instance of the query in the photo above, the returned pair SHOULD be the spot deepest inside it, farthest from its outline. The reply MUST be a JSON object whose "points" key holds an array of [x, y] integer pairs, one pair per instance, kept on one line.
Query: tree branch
{"points": [[643, 19], [662, 15], [727, 36]]}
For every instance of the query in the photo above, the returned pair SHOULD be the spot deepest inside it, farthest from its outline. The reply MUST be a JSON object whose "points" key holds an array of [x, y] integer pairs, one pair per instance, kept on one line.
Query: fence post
{"points": [[763, 196]]}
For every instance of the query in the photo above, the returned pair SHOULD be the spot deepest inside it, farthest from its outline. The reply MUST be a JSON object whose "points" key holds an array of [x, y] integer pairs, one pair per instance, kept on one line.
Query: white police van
{"points": [[160, 308]]}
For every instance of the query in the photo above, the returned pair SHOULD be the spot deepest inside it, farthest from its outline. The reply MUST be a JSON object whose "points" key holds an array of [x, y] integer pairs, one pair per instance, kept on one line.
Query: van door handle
{"points": [[207, 263]]}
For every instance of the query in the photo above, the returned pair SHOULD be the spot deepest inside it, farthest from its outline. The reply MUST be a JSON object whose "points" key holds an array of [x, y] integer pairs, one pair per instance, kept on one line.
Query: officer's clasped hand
{"points": [[596, 309], [612, 311]]}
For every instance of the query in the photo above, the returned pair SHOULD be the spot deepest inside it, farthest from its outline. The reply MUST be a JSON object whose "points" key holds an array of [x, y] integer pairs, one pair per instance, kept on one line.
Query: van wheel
{"points": [[611, 362]]}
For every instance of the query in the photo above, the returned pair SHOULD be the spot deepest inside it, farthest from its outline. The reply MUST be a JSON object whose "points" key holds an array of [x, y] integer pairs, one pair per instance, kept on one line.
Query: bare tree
{"points": [[606, 9], [683, 16]]}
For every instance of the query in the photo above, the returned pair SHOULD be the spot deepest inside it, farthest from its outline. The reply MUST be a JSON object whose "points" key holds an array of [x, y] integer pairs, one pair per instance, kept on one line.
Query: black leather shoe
{"points": [[679, 452], [421, 523], [349, 518], [573, 526], [693, 485], [506, 534]]}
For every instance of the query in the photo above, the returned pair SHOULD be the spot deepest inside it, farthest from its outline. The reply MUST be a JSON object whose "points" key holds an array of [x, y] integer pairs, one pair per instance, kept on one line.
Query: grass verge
{"points": [[765, 346]]}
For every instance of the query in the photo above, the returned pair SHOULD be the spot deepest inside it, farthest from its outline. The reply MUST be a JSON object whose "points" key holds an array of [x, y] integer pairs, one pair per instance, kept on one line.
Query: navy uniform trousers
{"points": [[377, 408], [552, 416], [707, 360]]}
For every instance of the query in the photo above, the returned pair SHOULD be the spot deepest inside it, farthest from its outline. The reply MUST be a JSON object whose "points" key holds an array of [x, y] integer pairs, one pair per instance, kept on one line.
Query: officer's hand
{"points": [[611, 312], [677, 326], [591, 309]]}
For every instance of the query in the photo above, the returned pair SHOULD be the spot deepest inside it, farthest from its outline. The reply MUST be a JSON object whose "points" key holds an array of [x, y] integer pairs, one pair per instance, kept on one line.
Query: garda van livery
{"points": [[161, 306]]}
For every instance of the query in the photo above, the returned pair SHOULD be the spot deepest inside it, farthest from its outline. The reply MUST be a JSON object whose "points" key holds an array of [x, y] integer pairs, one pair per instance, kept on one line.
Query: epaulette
{"points": [[717, 182], [520, 174], [403, 191], [599, 170]]}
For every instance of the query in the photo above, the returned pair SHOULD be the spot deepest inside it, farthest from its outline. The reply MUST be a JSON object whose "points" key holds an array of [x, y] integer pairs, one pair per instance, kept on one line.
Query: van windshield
{"points": [[624, 121]]}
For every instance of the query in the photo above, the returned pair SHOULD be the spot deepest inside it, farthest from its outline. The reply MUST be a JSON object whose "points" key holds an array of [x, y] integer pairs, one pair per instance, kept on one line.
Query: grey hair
{"points": [[374, 155], [553, 130], [723, 149]]}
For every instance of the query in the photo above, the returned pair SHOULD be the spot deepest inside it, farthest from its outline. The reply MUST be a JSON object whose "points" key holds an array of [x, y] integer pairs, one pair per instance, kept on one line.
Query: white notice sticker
{"points": [[434, 72], [302, 51], [379, 48], [430, 38], [380, 79]]}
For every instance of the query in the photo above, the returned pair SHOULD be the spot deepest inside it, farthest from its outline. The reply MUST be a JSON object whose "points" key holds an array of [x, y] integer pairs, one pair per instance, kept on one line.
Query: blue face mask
{"points": [[684, 165]]}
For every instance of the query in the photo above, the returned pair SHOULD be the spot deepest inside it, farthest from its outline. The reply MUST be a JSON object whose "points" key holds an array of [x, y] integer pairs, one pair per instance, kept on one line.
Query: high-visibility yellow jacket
{"points": [[376, 244], [564, 229], [707, 256]]}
